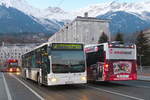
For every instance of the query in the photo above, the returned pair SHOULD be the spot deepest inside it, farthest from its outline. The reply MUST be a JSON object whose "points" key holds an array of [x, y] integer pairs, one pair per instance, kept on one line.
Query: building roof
{"points": [[90, 19]]}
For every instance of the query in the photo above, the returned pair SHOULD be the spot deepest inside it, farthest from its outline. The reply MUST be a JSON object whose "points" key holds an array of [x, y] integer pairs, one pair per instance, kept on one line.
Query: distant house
{"points": [[14, 51], [82, 29]]}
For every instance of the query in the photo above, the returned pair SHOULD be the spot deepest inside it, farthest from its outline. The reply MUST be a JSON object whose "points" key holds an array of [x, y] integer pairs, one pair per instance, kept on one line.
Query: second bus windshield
{"points": [[68, 61]]}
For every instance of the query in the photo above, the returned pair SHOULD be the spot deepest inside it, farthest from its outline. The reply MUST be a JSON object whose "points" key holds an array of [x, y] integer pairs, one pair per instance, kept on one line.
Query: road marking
{"points": [[116, 93], [28, 88], [6, 87], [142, 86], [139, 86]]}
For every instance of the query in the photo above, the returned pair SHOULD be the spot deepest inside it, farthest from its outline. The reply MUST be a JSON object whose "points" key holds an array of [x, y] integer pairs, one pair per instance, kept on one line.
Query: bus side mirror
{"points": [[45, 54]]}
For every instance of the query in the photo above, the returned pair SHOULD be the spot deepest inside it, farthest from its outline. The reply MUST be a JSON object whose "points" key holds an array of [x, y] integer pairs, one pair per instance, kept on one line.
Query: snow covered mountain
{"points": [[125, 22], [102, 8], [37, 15], [49, 13], [124, 17], [21, 5], [135, 16], [15, 21]]}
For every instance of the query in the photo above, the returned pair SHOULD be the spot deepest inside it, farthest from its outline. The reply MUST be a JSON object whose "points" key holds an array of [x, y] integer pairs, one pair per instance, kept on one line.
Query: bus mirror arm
{"points": [[45, 54]]}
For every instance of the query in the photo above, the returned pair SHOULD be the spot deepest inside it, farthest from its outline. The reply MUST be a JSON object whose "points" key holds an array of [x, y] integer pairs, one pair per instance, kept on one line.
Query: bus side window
{"points": [[38, 58], [33, 60], [29, 60]]}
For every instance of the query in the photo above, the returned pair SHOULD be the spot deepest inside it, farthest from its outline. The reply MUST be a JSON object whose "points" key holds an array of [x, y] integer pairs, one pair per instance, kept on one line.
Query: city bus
{"points": [[56, 64], [111, 62], [11, 65]]}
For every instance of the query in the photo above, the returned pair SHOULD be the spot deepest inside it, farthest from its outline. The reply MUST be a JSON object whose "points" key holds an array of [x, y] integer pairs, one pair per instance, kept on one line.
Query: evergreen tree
{"points": [[103, 38], [119, 37], [143, 48]]}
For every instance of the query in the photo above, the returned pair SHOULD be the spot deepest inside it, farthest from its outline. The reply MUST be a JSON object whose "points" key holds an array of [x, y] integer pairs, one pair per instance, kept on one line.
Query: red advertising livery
{"points": [[111, 61], [12, 65]]}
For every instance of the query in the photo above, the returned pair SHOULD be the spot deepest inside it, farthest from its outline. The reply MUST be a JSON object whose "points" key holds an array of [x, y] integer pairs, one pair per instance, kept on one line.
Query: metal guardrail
{"points": [[144, 69]]}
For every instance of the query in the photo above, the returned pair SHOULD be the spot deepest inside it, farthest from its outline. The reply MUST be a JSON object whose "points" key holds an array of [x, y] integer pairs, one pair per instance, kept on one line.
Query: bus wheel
{"points": [[38, 80], [25, 76]]}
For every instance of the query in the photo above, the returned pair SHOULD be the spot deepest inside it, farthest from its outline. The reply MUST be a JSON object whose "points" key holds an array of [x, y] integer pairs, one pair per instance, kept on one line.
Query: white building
{"points": [[14, 51], [82, 29]]}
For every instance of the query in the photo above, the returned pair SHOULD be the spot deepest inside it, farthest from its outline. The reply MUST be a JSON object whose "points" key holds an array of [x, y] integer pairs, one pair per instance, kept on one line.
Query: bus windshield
{"points": [[14, 64], [68, 61]]}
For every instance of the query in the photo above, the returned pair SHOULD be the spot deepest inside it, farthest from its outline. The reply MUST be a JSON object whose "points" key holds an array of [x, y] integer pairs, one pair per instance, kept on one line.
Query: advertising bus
{"points": [[111, 62], [56, 64], [12, 65]]}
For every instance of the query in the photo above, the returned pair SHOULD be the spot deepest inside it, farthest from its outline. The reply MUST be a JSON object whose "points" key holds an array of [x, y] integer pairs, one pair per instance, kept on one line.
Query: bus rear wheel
{"points": [[25, 75]]}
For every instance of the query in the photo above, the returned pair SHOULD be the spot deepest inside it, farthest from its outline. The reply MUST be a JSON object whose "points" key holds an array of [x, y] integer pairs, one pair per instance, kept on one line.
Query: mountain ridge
{"points": [[53, 18], [11, 21], [125, 22]]}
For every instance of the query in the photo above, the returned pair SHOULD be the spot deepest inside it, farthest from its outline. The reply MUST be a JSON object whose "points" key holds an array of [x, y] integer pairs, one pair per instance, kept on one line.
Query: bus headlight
{"points": [[18, 73], [53, 79], [18, 70], [10, 70], [83, 78]]}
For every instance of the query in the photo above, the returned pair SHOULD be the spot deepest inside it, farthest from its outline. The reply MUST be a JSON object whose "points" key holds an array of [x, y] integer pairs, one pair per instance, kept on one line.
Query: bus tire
{"points": [[38, 80], [25, 75]]}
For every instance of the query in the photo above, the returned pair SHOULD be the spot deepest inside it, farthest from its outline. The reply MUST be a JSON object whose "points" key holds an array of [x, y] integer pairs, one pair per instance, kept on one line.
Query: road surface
{"points": [[14, 87]]}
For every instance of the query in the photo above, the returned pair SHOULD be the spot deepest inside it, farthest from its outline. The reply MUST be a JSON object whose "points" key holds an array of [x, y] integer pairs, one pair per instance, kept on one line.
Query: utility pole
{"points": [[140, 58]]}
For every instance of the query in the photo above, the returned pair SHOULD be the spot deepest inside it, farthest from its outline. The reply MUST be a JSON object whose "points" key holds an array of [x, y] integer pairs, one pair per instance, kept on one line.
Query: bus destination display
{"points": [[61, 46]]}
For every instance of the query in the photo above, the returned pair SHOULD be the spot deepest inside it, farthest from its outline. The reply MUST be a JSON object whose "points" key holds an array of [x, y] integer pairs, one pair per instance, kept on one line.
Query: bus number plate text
{"points": [[122, 76], [68, 82]]}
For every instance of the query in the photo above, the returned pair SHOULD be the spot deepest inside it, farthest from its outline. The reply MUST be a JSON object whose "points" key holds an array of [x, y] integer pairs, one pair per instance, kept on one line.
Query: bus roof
{"points": [[113, 42], [92, 45], [48, 43]]}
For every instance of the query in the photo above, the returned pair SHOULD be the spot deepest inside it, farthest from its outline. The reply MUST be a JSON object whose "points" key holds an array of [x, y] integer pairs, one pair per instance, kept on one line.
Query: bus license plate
{"points": [[122, 76], [68, 82]]}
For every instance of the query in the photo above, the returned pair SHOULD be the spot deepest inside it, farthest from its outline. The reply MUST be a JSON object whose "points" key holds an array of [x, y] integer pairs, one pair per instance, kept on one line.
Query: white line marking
{"points": [[28, 88], [6, 87], [124, 95], [143, 87], [139, 86]]}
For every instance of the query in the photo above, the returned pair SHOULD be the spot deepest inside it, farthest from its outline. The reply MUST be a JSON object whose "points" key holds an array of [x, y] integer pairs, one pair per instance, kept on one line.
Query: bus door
{"points": [[91, 66], [92, 73], [100, 68], [29, 66], [96, 71], [44, 70], [45, 65], [100, 63], [95, 63]]}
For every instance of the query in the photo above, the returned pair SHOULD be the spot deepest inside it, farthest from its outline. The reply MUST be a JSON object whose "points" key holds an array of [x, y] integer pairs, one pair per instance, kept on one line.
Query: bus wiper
{"points": [[76, 64]]}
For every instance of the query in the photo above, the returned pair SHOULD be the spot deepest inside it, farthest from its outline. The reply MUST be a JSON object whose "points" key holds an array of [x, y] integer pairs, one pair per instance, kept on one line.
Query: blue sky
{"points": [[69, 5]]}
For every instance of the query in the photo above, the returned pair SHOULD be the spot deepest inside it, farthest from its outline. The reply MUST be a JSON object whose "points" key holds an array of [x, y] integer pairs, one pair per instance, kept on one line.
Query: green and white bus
{"points": [[56, 64]]}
